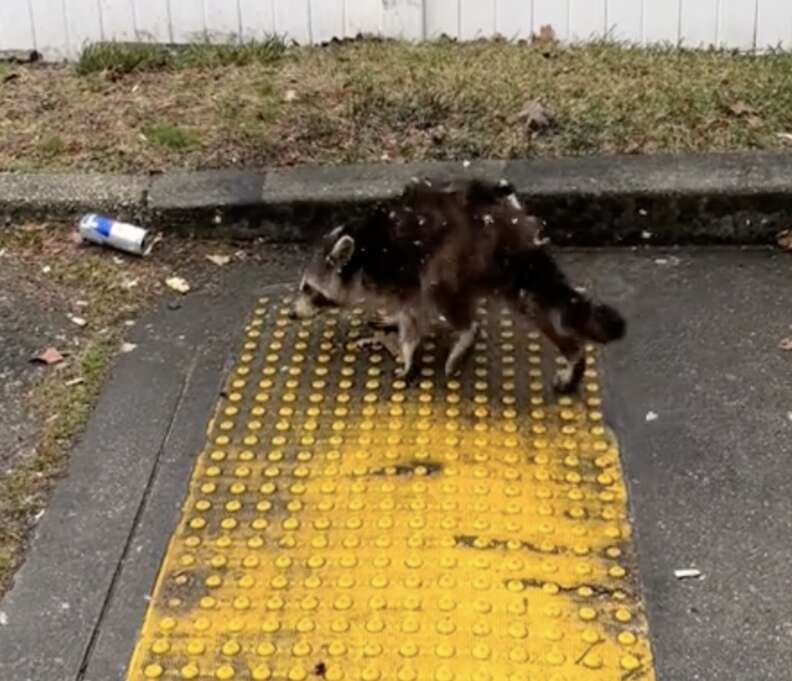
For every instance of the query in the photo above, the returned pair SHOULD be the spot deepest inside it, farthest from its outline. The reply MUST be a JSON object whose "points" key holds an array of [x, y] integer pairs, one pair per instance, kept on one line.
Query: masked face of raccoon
{"points": [[322, 284]]}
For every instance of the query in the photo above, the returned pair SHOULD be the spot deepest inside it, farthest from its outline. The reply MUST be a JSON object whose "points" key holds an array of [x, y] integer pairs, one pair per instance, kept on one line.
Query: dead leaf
{"points": [[741, 109], [535, 116], [786, 344], [755, 122], [546, 35], [784, 239], [178, 284], [49, 356], [219, 260]]}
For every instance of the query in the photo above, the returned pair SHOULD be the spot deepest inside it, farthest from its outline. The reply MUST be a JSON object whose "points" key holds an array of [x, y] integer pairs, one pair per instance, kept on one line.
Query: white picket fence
{"points": [[60, 28]]}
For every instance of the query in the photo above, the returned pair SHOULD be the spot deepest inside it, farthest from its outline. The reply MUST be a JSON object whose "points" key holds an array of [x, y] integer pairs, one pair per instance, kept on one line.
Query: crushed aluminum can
{"points": [[100, 229]]}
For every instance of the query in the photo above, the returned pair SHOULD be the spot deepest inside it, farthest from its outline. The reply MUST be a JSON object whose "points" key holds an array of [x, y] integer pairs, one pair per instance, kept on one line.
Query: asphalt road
{"points": [[698, 394], [701, 398]]}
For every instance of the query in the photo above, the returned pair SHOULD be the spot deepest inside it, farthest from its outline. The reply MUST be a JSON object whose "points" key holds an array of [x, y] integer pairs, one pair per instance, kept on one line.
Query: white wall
{"points": [[59, 28]]}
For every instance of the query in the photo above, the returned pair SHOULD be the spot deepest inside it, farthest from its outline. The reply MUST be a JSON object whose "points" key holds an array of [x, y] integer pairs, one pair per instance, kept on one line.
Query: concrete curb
{"points": [[737, 199]]}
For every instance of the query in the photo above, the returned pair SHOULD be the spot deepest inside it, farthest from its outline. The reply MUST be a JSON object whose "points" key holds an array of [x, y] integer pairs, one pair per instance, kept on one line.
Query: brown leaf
{"points": [[755, 122], [535, 116], [48, 357], [546, 35], [786, 344], [784, 239], [741, 109]]}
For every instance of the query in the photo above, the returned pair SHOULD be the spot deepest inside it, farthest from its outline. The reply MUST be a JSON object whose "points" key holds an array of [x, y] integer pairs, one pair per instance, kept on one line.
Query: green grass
{"points": [[172, 137], [124, 58], [370, 100], [52, 146]]}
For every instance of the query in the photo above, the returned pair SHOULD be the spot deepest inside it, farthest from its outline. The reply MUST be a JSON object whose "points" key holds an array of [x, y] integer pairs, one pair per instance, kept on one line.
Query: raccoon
{"points": [[431, 254]]}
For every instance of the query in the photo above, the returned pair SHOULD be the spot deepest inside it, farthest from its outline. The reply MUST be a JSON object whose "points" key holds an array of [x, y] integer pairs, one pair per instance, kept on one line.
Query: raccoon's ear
{"points": [[342, 252]]}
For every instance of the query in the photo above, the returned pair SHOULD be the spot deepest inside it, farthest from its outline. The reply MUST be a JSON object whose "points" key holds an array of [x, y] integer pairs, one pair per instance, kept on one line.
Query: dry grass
{"points": [[373, 100], [114, 290]]}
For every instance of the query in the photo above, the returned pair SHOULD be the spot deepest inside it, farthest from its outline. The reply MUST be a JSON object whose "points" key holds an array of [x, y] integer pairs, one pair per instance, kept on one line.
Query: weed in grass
{"points": [[124, 58], [205, 55], [23, 491], [172, 137], [52, 146]]}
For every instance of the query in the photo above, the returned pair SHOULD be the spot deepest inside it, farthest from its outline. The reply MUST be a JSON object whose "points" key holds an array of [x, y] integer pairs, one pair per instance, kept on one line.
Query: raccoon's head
{"points": [[323, 283]]}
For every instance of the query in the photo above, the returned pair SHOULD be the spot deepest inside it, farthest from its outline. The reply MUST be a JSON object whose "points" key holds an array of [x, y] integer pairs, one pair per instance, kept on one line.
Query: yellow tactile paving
{"points": [[342, 525]]}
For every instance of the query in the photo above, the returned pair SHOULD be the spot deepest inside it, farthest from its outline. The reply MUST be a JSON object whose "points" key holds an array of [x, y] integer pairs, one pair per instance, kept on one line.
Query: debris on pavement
{"points": [[128, 347], [105, 231], [3, 619], [49, 356], [651, 416], [219, 260], [784, 239], [786, 344], [178, 284], [688, 573]]}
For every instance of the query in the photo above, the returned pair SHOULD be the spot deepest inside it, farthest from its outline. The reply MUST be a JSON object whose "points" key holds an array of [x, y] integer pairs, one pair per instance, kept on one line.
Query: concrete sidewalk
{"points": [[736, 199], [708, 477]]}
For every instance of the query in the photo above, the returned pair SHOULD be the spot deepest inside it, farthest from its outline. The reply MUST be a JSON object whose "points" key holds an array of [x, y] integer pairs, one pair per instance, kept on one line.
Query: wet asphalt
{"points": [[699, 395]]}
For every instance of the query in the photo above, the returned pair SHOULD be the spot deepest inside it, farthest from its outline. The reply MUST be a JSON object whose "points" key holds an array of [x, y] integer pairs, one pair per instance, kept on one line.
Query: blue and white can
{"points": [[105, 231]]}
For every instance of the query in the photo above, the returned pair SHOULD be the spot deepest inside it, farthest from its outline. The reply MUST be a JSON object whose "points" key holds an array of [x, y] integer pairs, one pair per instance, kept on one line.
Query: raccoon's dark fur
{"points": [[435, 251]]}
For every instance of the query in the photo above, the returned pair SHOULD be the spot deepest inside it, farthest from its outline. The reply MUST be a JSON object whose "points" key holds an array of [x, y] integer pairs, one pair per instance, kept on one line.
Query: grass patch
{"points": [[24, 492], [52, 146], [372, 100], [120, 58], [57, 407], [125, 58], [172, 137]]}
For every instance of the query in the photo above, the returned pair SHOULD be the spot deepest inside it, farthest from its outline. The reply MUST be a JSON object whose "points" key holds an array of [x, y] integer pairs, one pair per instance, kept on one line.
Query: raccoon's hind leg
{"points": [[568, 376], [409, 339], [458, 310], [460, 349]]}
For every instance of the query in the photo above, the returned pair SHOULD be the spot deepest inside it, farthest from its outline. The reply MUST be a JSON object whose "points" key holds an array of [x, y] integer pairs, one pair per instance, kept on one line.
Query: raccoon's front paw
{"points": [[453, 366], [567, 378]]}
